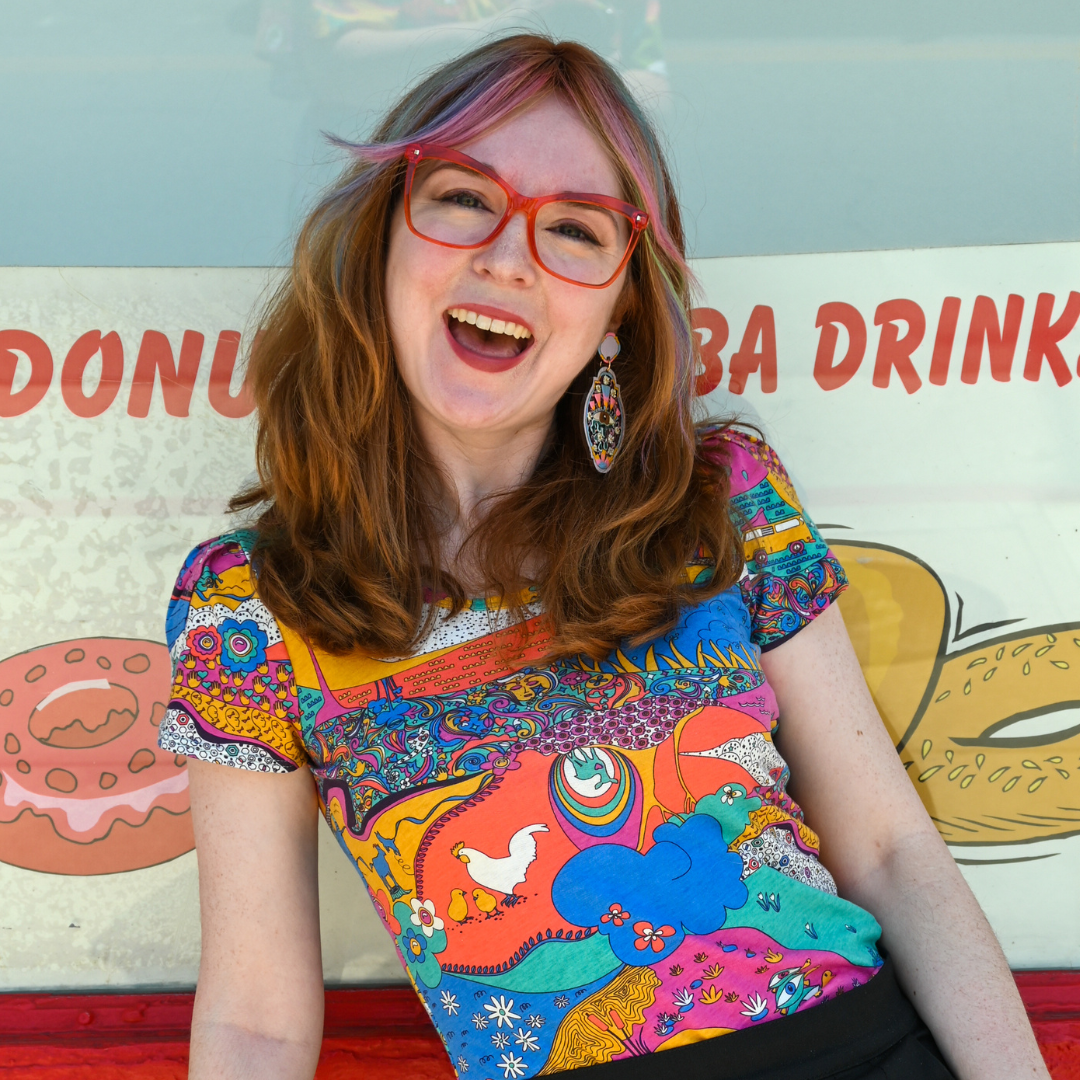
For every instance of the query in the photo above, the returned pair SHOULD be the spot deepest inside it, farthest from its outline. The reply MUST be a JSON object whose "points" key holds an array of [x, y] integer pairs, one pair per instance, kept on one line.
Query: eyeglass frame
{"points": [[515, 203]]}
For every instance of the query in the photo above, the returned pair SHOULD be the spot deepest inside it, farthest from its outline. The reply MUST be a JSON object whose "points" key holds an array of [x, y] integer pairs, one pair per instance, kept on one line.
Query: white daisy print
{"points": [[500, 1010], [449, 1002], [526, 1039], [512, 1066]]}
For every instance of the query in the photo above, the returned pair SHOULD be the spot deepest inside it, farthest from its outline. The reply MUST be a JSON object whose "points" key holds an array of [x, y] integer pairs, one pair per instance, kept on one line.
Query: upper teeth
{"points": [[496, 326]]}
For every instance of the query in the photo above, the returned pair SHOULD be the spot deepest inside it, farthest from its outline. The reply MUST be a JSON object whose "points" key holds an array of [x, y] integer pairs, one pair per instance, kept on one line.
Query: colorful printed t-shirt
{"points": [[579, 861]]}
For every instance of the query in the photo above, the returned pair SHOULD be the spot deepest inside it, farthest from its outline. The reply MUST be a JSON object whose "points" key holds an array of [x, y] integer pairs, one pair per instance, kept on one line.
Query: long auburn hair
{"points": [[347, 551]]}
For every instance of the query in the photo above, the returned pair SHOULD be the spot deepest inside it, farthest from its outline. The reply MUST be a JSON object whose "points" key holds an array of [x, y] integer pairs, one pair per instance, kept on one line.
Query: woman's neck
{"points": [[476, 465]]}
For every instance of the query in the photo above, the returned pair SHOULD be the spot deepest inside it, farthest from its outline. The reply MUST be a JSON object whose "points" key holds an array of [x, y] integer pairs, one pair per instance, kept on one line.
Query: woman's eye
{"points": [[572, 230], [467, 200]]}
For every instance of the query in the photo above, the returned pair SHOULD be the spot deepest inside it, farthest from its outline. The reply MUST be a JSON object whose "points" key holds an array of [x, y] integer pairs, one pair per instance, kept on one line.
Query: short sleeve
{"points": [[791, 575], [233, 693]]}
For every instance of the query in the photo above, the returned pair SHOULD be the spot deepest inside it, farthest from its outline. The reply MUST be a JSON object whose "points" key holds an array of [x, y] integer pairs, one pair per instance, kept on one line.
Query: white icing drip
{"points": [[84, 814]]}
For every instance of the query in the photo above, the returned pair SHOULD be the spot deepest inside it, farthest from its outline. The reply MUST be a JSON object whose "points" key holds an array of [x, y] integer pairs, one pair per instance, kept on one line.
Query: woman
{"points": [[493, 620]]}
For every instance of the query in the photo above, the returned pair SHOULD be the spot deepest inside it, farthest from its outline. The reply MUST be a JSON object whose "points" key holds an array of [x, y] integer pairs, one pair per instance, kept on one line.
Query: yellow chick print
{"points": [[458, 908], [484, 901]]}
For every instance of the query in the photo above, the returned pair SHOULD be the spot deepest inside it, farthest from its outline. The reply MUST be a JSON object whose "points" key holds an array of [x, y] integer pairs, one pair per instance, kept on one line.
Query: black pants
{"points": [[870, 1033]]}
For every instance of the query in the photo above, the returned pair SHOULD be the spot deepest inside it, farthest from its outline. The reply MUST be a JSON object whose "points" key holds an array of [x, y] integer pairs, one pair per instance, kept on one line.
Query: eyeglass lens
{"points": [[453, 204]]}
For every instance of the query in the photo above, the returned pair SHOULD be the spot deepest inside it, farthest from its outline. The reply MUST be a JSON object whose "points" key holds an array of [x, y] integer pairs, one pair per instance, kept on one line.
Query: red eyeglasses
{"points": [[453, 200]]}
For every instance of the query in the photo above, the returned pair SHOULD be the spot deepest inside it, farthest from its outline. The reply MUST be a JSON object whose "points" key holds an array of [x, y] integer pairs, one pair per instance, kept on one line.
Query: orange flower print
{"points": [[615, 915], [648, 937]]}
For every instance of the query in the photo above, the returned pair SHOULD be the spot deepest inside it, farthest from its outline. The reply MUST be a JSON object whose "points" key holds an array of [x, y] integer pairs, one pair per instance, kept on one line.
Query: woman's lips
{"points": [[483, 349]]}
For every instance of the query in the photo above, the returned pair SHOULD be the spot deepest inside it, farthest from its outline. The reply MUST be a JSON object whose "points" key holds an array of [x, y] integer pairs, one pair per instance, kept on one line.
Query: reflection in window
{"points": [[191, 134]]}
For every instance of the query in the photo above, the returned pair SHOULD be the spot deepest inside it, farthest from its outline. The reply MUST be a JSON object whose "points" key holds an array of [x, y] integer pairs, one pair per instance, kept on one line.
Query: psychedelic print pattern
{"points": [[579, 861]]}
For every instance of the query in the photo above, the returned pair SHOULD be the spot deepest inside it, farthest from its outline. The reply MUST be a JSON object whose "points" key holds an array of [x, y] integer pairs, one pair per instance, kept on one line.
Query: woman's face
{"points": [[468, 381]]}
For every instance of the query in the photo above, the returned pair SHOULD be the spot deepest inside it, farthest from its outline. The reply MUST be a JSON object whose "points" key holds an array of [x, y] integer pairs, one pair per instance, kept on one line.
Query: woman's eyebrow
{"points": [[440, 166]]}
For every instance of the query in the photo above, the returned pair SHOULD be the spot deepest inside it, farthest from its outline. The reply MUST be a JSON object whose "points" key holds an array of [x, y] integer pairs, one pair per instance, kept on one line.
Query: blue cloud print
{"points": [[646, 904]]}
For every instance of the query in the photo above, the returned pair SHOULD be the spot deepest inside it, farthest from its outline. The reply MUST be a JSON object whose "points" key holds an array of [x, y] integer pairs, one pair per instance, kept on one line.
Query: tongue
{"points": [[484, 342]]}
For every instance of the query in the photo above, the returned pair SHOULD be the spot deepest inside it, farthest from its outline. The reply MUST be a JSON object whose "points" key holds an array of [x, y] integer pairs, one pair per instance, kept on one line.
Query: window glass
{"points": [[190, 134]]}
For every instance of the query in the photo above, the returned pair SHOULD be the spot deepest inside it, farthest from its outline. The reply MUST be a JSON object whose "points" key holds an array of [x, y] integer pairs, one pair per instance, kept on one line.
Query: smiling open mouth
{"points": [[487, 337]]}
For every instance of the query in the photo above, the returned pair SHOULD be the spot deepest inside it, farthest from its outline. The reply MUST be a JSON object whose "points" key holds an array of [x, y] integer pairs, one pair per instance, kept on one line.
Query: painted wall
{"points": [[96, 514], [941, 467], [948, 482]]}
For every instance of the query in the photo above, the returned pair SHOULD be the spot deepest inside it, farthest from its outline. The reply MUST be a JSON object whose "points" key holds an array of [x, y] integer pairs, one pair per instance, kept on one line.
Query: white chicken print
{"points": [[502, 875]]}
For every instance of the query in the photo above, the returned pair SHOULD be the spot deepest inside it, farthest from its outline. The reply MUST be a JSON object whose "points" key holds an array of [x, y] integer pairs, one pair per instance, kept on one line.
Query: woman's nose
{"points": [[508, 257]]}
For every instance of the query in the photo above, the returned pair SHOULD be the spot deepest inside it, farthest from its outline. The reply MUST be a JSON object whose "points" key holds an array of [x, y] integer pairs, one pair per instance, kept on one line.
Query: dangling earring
{"points": [[605, 423]]}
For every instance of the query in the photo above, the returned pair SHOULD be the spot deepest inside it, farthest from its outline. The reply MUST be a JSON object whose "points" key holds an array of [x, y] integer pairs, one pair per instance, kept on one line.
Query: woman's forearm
{"points": [[222, 1051], [949, 961], [259, 1004], [887, 857]]}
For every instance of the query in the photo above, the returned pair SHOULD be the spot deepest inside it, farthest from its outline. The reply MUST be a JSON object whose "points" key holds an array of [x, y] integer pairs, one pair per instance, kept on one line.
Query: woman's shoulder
{"points": [[747, 458], [233, 695], [217, 570]]}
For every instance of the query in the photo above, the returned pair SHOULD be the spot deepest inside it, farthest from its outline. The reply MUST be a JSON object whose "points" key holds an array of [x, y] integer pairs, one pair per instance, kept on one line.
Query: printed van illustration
{"points": [[789, 534], [779, 528]]}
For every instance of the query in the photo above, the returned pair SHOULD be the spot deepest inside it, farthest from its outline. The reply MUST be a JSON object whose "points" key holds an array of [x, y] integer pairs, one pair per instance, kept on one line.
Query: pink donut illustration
{"points": [[84, 788]]}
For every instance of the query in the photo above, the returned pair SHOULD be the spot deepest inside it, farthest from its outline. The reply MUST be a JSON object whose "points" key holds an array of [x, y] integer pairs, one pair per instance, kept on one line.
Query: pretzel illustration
{"points": [[977, 728]]}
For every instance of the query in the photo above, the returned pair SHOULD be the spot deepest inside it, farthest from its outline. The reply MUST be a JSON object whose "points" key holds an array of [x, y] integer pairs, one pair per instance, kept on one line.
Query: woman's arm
{"points": [[259, 1004], [886, 856]]}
